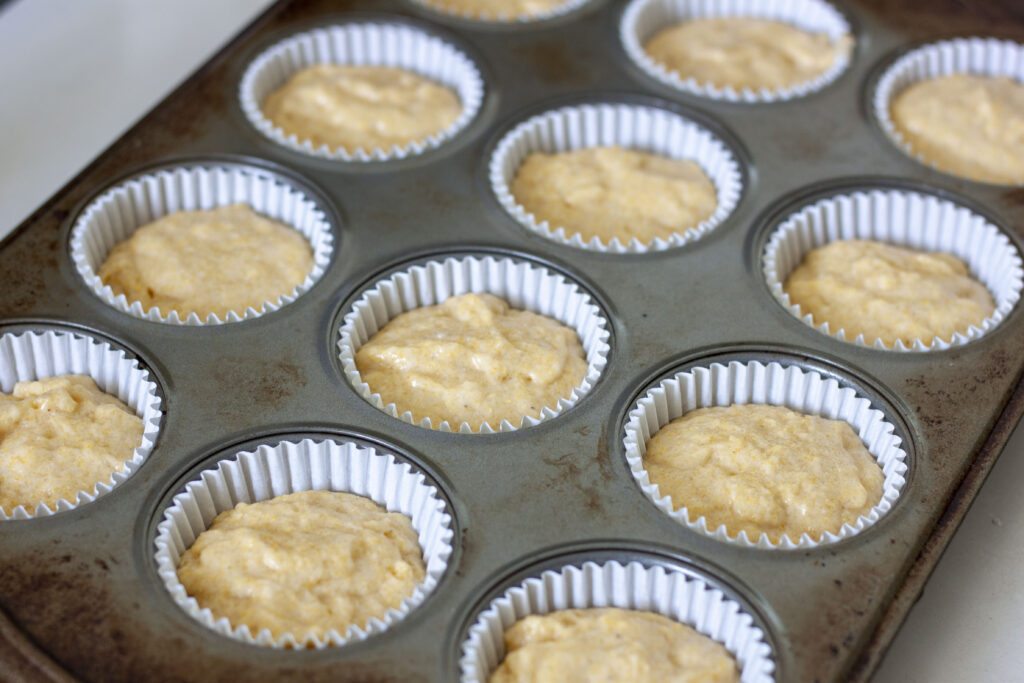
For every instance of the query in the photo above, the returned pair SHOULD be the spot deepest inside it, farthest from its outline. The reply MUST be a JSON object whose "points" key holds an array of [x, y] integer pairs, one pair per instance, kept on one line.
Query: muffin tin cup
{"points": [[690, 600], [903, 218], [523, 285], [289, 467], [752, 382], [31, 356], [361, 44], [644, 128], [113, 216], [979, 56], [564, 7], [643, 18]]}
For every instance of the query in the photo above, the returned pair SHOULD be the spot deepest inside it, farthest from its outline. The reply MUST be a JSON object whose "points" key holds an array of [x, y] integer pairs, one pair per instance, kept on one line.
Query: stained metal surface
{"points": [[82, 585]]}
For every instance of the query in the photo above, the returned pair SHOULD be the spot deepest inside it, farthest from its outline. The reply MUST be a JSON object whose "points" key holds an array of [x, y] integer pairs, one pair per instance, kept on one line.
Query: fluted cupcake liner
{"points": [[290, 467], [361, 44], [803, 390], [521, 284], [691, 600], [31, 356], [980, 56], [908, 219], [644, 128], [504, 17], [112, 217], [643, 18]]}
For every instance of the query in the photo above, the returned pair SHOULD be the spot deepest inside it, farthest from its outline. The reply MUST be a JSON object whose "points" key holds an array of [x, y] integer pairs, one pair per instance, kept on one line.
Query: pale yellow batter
{"points": [[361, 107], [609, 192], [304, 563], [492, 9], [764, 469], [610, 644], [745, 52], [472, 359], [971, 126], [59, 436], [203, 262], [888, 292]]}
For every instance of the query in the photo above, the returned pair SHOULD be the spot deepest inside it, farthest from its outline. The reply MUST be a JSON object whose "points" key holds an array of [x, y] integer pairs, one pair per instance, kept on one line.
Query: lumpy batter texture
{"points": [[510, 9], [888, 292], [610, 644], [744, 52], [59, 436], [203, 262], [304, 563], [361, 107], [968, 125], [472, 359], [764, 469], [611, 192]]}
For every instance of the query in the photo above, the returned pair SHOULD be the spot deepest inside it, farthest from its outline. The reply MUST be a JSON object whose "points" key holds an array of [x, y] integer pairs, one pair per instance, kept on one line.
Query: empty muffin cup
{"points": [[366, 45], [915, 220], [32, 356], [290, 467], [687, 598], [115, 215], [752, 382], [630, 126], [521, 284], [969, 56], [642, 19]]}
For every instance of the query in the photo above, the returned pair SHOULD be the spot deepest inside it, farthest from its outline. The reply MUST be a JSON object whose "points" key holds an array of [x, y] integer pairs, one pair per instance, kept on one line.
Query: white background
{"points": [[74, 74]]}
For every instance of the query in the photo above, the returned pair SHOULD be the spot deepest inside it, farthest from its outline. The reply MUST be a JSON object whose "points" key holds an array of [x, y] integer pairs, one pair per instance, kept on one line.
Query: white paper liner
{"points": [[644, 128], [908, 219], [643, 18], [361, 44], [689, 600], [503, 17], [979, 56], [802, 390], [289, 467], [522, 285], [116, 214], [31, 356]]}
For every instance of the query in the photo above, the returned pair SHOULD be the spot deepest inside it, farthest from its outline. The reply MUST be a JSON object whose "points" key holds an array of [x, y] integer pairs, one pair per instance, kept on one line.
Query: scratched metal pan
{"points": [[80, 589]]}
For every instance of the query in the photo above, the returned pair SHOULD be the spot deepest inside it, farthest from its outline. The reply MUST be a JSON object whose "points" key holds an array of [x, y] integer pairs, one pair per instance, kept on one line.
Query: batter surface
{"points": [[888, 292], [610, 644], [972, 126], [203, 262], [609, 192], [59, 436], [472, 359], [361, 107], [304, 563], [744, 52], [496, 8], [764, 469]]}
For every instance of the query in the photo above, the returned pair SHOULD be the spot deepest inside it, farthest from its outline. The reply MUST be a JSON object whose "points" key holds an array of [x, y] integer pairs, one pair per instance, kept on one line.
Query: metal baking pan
{"points": [[79, 589]]}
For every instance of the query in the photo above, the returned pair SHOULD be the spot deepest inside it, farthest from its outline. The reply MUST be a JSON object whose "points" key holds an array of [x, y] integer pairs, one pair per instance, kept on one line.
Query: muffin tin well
{"points": [[86, 586]]}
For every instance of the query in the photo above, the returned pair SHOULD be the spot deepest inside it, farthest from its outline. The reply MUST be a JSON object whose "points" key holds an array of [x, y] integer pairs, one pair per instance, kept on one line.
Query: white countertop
{"points": [[74, 75]]}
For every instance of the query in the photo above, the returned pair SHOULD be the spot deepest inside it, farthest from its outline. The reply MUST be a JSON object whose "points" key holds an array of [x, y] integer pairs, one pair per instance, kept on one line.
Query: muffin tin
{"points": [[82, 588]]}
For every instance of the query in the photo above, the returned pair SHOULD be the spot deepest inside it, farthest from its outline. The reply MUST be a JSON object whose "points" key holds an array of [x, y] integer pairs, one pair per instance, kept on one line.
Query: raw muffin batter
{"points": [[59, 436], [203, 262], [888, 292], [764, 469], [610, 644], [609, 192], [512, 9], [745, 52], [972, 126], [361, 107], [304, 563], [472, 359]]}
